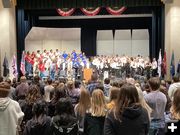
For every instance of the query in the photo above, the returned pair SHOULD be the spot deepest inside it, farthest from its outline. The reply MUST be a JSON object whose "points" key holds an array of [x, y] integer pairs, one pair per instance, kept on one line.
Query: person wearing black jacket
{"points": [[40, 123], [64, 122], [128, 117]]}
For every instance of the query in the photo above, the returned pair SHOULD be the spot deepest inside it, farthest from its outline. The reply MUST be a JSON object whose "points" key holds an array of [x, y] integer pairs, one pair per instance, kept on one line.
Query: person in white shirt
{"points": [[154, 67], [11, 115], [48, 90], [173, 87]]}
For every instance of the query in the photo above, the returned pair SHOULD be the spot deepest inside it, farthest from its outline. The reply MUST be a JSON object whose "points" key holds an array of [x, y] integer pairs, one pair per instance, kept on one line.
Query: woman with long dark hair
{"points": [[64, 122], [128, 116], [40, 123]]}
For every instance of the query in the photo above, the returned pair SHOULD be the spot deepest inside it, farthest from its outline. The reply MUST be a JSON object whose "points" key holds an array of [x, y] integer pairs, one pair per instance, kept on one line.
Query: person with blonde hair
{"points": [[128, 116], [94, 119], [82, 107]]}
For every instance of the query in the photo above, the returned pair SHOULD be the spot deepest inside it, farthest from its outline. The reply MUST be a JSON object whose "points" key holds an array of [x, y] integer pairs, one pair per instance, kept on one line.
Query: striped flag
{"points": [[14, 67], [22, 68], [159, 63], [172, 67], [164, 66]]}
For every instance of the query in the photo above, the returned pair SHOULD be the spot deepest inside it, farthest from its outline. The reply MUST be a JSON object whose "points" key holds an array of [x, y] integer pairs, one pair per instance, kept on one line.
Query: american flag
{"points": [[22, 68], [14, 66]]}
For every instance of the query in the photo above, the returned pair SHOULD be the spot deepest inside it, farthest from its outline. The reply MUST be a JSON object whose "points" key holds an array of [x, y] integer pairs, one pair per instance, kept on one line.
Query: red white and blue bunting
{"points": [[65, 11], [116, 10], [91, 11]]}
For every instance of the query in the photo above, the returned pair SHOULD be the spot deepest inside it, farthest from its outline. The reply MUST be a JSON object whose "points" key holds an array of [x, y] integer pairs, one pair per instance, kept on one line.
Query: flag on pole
{"points": [[172, 67], [22, 68], [6, 67], [159, 63], [14, 67], [164, 65]]}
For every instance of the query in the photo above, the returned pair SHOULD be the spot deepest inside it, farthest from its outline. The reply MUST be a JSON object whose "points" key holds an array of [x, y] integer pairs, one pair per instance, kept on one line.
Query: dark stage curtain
{"points": [[88, 41], [51, 4]]}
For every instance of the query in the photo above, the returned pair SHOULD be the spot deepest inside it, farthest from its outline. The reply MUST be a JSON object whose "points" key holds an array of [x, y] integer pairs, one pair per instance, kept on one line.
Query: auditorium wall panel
{"points": [[105, 47], [140, 47], [8, 37], [52, 44], [123, 47]]}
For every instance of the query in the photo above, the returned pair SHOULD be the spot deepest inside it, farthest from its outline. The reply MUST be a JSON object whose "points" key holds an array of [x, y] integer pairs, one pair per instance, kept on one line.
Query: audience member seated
{"points": [[157, 101], [94, 119], [64, 122], [114, 92], [40, 122], [22, 89], [173, 87], [10, 112], [82, 108]]}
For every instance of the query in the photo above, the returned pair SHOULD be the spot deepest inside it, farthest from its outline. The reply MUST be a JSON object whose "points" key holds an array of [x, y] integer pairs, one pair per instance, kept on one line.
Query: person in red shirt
{"points": [[41, 69]]}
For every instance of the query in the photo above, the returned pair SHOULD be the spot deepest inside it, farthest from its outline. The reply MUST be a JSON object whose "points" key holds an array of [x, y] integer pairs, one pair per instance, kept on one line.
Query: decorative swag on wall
{"points": [[91, 11]]}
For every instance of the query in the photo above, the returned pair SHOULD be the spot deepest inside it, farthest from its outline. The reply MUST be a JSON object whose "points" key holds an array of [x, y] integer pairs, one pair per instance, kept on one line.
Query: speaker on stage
{"points": [[8, 3]]}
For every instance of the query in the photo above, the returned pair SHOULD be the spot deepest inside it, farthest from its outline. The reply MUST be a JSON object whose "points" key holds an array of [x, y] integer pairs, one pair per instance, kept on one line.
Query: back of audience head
{"points": [[127, 97], [77, 84], [33, 94], [4, 89], [39, 108], [175, 109], [115, 84], [175, 79], [154, 83], [59, 92], [23, 79], [98, 104], [49, 81], [114, 92], [106, 81], [8, 81], [70, 85], [64, 106]]}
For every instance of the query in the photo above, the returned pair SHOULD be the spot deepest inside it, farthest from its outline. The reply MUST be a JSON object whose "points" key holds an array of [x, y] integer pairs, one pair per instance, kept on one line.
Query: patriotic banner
{"points": [[91, 11], [65, 11], [6, 67], [115, 11], [159, 63], [14, 66], [22, 68], [164, 64], [172, 66]]}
